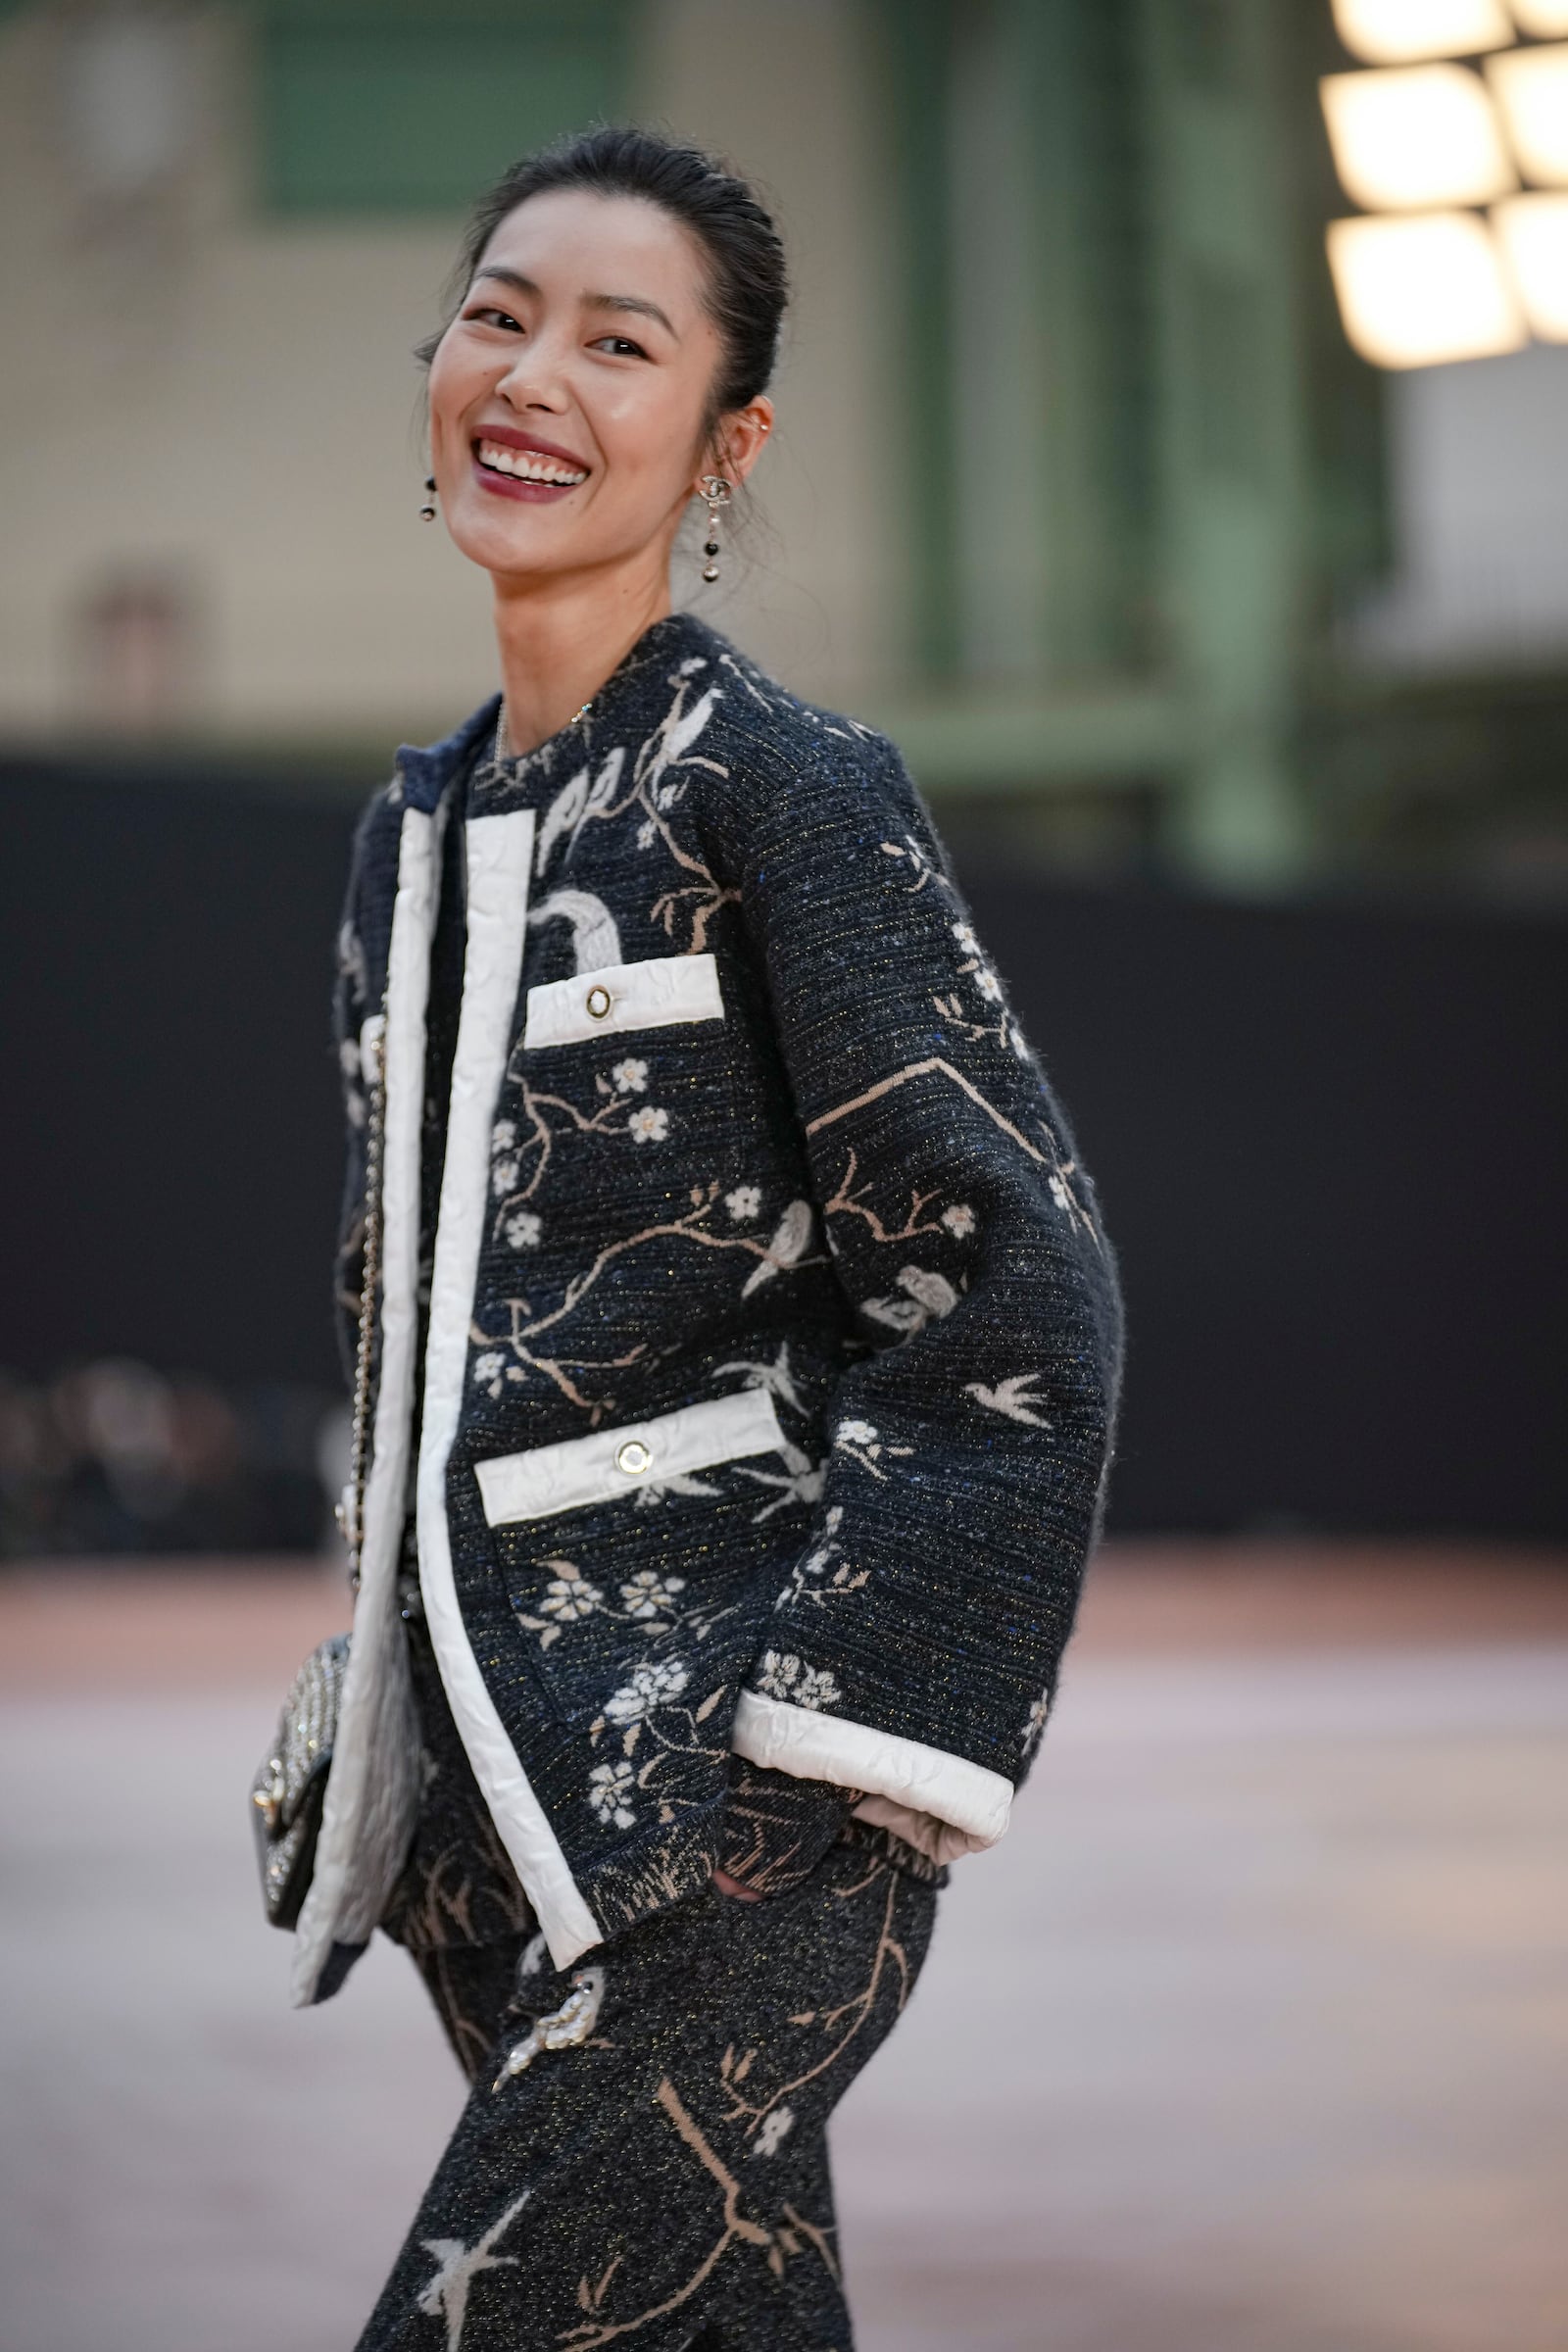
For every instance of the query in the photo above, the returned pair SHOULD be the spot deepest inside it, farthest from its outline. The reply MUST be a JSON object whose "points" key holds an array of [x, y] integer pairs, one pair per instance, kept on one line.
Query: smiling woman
{"points": [[734, 1337]]}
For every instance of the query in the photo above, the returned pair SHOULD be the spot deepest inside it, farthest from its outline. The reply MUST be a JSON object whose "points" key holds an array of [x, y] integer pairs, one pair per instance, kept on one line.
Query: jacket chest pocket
{"points": [[644, 1055]]}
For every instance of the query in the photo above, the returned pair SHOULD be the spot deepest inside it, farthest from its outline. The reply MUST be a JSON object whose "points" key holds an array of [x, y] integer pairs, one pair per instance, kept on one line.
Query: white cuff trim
{"points": [[911, 1781]]}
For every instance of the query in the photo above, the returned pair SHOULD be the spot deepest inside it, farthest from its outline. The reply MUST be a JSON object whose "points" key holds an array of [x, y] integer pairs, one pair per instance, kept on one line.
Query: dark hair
{"points": [[747, 283]]}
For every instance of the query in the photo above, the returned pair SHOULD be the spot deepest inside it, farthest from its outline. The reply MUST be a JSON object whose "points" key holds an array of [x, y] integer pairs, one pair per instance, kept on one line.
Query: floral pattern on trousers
{"points": [[643, 2157]]}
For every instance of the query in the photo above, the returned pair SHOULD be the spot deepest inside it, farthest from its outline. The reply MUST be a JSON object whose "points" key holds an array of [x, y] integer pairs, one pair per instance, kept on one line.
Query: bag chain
{"points": [[351, 1509]]}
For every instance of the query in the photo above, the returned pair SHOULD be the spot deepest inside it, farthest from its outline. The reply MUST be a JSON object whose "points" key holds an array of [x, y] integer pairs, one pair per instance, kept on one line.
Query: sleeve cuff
{"points": [[944, 1805]]}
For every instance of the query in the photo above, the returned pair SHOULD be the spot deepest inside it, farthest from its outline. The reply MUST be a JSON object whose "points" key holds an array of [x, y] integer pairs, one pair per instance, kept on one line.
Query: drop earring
{"points": [[718, 490], [427, 510]]}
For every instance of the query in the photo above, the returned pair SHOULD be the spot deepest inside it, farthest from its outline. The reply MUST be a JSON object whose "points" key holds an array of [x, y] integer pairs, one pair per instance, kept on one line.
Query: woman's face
{"points": [[568, 397]]}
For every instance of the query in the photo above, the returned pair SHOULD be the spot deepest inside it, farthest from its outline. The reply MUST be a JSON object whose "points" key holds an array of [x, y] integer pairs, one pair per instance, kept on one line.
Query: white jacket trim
{"points": [[500, 852], [617, 997], [372, 1788], [943, 1804], [612, 1462]]}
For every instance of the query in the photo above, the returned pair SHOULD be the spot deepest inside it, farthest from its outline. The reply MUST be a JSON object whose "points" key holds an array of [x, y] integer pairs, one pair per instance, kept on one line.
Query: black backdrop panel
{"points": [[1332, 1145]]}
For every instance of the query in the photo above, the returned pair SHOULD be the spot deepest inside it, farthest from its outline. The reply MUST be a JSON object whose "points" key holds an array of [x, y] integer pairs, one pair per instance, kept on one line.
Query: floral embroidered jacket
{"points": [[771, 1346]]}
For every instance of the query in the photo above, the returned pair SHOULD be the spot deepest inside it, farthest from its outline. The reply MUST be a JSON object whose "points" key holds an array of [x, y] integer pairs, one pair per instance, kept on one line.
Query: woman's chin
{"points": [[522, 540]]}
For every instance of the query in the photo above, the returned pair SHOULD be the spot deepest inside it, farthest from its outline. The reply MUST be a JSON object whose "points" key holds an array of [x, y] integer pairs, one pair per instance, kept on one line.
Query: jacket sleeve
{"points": [[914, 1649]]}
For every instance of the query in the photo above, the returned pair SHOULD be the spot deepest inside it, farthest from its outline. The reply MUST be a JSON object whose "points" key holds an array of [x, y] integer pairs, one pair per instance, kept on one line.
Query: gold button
{"points": [[633, 1458], [599, 1002]]}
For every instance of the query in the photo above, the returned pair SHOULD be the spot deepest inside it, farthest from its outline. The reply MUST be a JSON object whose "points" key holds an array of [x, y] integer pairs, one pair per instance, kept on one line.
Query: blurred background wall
{"points": [[1234, 665]]}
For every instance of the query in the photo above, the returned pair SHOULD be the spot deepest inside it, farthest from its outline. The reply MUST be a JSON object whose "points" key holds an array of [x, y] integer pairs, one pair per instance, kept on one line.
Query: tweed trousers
{"points": [[643, 2158]]}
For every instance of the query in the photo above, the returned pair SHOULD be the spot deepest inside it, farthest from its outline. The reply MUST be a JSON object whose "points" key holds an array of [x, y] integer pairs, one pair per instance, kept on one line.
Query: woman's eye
{"points": [[492, 317], [621, 345]]}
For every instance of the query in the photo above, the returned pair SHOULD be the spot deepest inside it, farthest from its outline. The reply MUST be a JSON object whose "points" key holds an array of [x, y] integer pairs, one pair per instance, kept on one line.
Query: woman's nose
{"points": [[535, 379]]}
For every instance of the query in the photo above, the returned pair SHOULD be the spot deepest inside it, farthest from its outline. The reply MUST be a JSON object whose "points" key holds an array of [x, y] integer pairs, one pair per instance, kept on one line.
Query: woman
{"points": [[747, 1346]]}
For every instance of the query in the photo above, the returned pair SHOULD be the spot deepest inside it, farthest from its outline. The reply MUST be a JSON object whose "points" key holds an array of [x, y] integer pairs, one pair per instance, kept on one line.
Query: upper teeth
{"points": [[527, 464]]}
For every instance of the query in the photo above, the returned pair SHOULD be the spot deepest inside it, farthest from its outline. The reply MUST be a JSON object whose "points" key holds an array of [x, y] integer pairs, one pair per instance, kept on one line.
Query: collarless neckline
{"points": [[658, 640]]}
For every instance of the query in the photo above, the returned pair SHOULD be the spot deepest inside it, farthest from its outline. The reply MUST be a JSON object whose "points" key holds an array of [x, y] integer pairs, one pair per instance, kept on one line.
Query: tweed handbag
{"points": [[289, 1790]]}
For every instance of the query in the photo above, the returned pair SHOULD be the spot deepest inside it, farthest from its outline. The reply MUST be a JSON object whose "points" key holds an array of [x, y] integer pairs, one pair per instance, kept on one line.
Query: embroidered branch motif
{"points": [[524, 1327], [919, 864], [837, 2026], [825, 1574], [735, 2227], [850, 1202], [864, 1444], [1060, 1172], [650, 1702]]}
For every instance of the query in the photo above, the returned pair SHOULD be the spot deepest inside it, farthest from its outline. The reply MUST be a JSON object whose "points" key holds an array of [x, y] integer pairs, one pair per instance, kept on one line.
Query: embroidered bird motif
{"points": [[792, 1238], [447, 2295], [1011, 1397], [596, 941]]}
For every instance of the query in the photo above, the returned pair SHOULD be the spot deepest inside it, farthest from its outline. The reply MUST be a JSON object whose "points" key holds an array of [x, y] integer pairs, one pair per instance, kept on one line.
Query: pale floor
{"points": [[1251, 2038]]}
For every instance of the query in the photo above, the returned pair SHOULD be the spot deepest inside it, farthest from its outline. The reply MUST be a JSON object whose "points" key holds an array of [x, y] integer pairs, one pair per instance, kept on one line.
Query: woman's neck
{"points": [[559, 641]]}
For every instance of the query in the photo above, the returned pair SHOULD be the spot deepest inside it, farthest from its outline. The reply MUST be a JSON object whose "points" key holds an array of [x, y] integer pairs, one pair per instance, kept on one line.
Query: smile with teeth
{"points": [[528, 466]]}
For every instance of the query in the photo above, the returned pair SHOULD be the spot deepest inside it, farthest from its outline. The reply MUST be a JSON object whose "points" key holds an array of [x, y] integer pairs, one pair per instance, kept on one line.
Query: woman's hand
{"points": [[732, 1886]]}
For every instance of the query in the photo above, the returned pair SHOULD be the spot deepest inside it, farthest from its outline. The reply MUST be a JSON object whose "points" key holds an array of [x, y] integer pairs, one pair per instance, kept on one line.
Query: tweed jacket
{"points": [[758, 1391]]}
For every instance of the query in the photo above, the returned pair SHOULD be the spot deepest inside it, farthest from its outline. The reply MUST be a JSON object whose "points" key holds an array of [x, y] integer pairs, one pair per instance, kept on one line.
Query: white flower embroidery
{"points": [[648, 1125], [502, 1135], [864, 1444], [649, 1594], [774, 2130], [523, 1230], [645, 835], [1061, 1194], [610, 1787], [652, 1684], [959, 1219], [743, 1202], [988, 984], [503, 1177], [570, 1596], [965, 935], [630, 1076], [782, 1675], [817, 1688], [489, 1370], [1035, 1720]]}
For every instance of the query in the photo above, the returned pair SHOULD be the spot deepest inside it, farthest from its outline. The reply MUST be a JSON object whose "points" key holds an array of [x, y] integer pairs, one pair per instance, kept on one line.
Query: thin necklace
{"points": [[504, 750]]}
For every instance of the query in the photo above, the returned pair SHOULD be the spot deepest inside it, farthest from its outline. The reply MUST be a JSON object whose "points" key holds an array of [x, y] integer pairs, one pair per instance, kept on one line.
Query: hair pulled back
{"points": [[746, 283]]}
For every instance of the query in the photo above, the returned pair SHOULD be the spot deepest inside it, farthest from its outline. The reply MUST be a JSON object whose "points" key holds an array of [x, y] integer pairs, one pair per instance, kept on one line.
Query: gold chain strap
{"points": [[351, 1510]]}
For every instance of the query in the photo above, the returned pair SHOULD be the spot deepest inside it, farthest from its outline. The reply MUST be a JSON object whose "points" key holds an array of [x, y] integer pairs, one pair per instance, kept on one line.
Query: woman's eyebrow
{"points": [[634, 304], [508, 277]]}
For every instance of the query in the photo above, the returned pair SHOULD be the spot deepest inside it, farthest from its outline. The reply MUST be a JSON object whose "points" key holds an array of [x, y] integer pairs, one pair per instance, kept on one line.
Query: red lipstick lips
{"points": [[509, 486]]}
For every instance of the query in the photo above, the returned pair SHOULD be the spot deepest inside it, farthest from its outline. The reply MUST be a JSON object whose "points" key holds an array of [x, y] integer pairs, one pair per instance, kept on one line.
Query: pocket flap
{"points": [[612, 1462], [651, 995]]}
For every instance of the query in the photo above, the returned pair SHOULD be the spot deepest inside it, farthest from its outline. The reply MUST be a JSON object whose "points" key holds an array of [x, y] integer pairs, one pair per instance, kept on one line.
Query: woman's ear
{"points": [[739, 440]]}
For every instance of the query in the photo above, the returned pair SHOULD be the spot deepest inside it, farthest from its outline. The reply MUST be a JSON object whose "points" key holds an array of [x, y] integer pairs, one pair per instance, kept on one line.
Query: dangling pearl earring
{"points": [[427, 510], [718, 490]]}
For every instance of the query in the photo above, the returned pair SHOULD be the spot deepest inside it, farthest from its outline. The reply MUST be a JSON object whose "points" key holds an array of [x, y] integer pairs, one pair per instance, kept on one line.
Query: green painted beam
{"points": [[1235, 545], [1113, 738], [912, 48]]}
